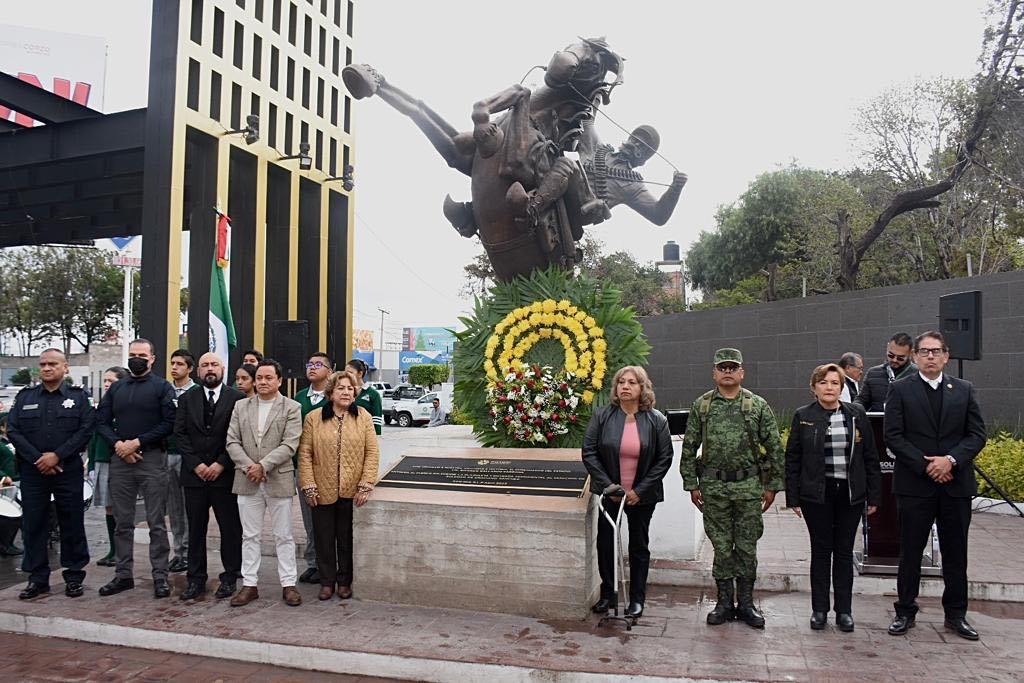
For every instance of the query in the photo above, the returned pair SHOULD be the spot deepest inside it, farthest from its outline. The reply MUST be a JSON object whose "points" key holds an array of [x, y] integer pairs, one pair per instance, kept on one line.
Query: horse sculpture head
{"points": [[583, 67]]}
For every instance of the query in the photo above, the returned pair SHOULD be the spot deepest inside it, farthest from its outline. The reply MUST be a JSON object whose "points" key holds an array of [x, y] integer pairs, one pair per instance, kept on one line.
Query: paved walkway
{"points": [[671, 642], [31, 659]]}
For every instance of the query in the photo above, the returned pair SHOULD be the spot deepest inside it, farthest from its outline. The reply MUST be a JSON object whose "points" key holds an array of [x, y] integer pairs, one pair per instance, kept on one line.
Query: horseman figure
{"points": [[529, 201]]}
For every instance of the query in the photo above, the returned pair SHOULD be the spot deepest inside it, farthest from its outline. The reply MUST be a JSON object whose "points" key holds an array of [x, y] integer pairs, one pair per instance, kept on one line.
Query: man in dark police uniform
{"points": [[49, 426]]}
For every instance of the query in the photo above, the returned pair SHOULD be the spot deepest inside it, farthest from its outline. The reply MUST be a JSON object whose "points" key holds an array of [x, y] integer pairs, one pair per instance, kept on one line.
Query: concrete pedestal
{"points": [[517, 554], [677, 529]]}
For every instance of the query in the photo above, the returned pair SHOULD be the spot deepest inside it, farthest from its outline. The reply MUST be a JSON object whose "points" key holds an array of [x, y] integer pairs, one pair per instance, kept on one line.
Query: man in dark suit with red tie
{"points": [[207, 473], [934, 426]]}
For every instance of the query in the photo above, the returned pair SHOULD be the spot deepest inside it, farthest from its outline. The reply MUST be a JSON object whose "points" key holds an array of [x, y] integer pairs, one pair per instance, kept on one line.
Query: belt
{"points": [[729, 475]]}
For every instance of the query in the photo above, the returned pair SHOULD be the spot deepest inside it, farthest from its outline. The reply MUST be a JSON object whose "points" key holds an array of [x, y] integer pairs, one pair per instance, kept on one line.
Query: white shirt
{"points": [[215, 390], [262, 412], [315, 396], [933, 383]]}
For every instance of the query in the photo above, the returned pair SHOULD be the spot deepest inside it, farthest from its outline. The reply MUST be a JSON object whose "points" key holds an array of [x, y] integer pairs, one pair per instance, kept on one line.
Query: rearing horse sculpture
{"points": [[530, 202]]}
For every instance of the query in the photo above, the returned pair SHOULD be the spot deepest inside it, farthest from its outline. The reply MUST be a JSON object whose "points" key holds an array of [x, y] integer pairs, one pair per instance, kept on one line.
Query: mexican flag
{"points": [[222, 327]]}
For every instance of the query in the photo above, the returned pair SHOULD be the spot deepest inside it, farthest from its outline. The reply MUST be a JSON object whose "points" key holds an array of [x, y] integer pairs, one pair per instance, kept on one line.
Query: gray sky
{"points": [[735, 89]]}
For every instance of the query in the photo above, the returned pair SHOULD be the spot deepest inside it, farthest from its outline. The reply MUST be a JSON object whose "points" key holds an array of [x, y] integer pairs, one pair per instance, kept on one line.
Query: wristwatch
{"points": [[952, 460]]}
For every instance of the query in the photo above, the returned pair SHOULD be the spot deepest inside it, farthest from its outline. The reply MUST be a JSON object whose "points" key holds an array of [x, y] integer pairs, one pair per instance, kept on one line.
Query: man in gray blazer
{"points": [[262, 438]]}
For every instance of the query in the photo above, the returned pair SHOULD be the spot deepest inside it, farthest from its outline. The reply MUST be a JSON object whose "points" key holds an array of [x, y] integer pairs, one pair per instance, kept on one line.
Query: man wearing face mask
{"points": [[874, 385], [135, 417]]}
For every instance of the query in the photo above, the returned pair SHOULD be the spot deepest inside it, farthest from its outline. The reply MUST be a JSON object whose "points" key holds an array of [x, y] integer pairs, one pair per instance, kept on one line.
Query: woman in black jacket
{"points": [[627, 443], [831, 471]]}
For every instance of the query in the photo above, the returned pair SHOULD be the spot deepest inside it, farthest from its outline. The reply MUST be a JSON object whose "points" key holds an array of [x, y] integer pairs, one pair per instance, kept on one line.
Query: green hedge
{"points": [[1003, 461]]}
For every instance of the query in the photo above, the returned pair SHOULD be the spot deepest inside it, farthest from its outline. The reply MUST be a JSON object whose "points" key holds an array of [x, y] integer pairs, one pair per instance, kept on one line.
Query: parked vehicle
{"points": [[416, 412], [383, 388], [403, 392]]}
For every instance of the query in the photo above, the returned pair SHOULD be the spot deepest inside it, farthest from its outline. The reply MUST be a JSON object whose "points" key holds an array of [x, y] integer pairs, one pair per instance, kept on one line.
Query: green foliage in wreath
{"points": [[621, 330]]}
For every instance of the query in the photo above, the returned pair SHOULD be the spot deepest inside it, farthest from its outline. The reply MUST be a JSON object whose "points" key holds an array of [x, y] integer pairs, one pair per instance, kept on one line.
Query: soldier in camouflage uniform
{"points": [[733, 482]]}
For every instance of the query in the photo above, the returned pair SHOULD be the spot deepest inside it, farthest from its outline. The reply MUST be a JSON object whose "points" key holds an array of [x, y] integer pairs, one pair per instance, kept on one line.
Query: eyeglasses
{"points": [[315, 366], [727, 368], [931, 353], [895, 356]]}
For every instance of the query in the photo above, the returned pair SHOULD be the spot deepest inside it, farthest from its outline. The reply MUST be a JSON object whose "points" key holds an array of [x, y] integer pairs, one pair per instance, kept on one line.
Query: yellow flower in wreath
{"points": [[588, 397]]}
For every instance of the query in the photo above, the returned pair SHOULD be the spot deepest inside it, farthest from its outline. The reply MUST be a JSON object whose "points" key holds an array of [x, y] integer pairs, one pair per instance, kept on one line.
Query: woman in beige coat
{"points": [[338, 459]]}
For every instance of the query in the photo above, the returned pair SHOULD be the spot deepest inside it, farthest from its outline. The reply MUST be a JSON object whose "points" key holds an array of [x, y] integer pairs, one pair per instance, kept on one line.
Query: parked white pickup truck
{"points": [[403, 392], [414, 412]]}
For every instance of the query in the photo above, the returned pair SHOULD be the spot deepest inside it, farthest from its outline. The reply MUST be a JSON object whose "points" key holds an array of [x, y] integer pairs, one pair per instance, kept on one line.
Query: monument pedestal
{"points": [[533, 555]]}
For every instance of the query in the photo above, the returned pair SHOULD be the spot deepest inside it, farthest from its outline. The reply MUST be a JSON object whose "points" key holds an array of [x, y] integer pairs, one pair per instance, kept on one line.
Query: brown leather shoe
{"points": [[344, 592], [291, 596], [245, 596], [325, 592]]}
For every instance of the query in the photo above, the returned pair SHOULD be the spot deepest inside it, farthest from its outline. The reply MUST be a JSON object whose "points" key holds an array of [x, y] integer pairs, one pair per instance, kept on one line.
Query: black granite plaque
{"points": [[485, 475]]}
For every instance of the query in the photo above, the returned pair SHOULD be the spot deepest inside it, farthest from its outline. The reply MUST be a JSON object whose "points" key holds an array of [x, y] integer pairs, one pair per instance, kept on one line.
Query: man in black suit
{"points": [[934, 426], [201, 429]]}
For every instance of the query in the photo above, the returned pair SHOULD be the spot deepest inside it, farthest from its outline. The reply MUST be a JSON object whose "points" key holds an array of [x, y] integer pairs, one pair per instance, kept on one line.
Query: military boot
{"points": [[745, 610], [725, 610]]}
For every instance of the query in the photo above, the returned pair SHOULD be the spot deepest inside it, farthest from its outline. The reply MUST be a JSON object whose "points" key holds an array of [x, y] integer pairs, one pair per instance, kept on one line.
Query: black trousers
{"points": [[638, 518], [953, 518], [832, 526], [198, 501], [66, 489], [332, 535]]}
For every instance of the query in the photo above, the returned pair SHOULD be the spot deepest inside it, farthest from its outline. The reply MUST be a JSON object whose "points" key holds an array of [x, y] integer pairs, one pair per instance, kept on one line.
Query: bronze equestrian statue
{"points": [[529, 201]]}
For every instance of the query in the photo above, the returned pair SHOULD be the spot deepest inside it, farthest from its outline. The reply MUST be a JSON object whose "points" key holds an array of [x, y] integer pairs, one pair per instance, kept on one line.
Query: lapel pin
{"points": [[949, 386]]}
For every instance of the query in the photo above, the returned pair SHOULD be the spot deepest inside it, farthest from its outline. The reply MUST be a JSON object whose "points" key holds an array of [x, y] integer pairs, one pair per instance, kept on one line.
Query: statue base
{"points": [[516, 553]]}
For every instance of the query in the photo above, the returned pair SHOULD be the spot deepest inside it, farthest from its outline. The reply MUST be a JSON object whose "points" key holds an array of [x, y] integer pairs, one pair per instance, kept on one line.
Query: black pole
{"points": [[977, 468]]}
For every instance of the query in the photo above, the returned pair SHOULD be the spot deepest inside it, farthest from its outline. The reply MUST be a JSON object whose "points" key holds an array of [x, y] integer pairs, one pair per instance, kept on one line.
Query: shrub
{"points": [[1003, 461]]}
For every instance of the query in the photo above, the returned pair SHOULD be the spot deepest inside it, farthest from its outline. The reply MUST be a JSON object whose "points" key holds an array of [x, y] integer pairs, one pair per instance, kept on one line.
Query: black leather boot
{"points": [[725, 610], [745, 611]]}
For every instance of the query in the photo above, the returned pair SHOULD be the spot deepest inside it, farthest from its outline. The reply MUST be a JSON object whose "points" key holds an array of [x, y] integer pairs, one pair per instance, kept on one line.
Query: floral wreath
{"points": [[559, 331]]}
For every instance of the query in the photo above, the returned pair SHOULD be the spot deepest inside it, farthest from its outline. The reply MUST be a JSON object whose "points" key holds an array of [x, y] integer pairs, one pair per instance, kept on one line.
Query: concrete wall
{"points": [[783, 341]]}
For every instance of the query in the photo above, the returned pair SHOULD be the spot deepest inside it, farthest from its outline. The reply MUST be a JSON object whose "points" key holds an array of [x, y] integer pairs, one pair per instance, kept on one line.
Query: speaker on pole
{"points": [[960, 324], [289, 346]]}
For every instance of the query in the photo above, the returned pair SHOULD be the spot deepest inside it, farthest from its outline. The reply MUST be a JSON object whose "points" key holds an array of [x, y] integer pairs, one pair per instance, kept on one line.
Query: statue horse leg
{"points": [[457, 149]]}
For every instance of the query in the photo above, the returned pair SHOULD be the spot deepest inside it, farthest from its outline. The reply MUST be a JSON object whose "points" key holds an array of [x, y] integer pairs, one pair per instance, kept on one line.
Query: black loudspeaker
{"points": [[960, 324], [289, 346], [677, 421]]}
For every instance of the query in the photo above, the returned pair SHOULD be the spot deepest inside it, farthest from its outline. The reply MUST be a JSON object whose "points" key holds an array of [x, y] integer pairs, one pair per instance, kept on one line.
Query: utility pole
{"points": [[380, 360]]}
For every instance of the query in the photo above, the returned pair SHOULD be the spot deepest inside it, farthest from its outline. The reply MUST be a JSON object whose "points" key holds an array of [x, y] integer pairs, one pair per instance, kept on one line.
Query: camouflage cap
{"points": [[728, 356]]}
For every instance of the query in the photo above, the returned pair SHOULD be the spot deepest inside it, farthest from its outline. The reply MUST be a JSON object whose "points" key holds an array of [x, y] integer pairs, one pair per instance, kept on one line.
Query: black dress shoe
{"points": [[818, 620], [10, 550], [635, 610], [178, 564], [74, 589], [844, 622], [224, 590], [33, 590], [900, 625], [161, 589], [192, 591], [602, 606], [962, 628], [311, 575], [116, 586]]}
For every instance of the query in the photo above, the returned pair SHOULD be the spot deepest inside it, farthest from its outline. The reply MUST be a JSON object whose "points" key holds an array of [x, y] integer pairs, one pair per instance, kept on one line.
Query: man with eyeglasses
{"points": [[899, 364], [934, 426], [853, 365], [733, 482], [318, 369]]}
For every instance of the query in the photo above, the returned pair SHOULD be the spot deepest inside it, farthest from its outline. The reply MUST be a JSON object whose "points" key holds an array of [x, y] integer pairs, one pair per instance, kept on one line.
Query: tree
{"points": [[24, 376], [428, 375], [83, 294], [642, 284], [22, 308], [1000, 51]]}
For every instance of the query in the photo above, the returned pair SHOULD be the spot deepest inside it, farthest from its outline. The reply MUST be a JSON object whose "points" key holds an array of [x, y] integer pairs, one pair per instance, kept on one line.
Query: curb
{"points": [[348, 662]]}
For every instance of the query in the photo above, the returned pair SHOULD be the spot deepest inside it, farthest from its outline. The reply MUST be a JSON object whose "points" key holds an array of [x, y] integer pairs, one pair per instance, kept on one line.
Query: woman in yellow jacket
{"points": [[338, 460]]}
